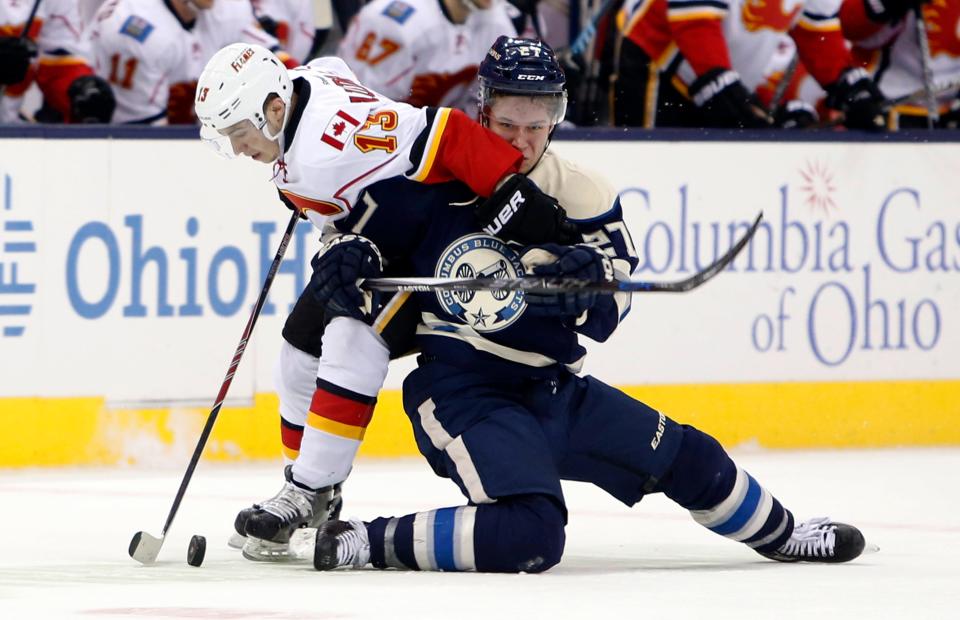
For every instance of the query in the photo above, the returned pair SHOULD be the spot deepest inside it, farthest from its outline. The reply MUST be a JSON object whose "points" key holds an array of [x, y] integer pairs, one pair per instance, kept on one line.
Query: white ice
{"points": [[65, 535]]}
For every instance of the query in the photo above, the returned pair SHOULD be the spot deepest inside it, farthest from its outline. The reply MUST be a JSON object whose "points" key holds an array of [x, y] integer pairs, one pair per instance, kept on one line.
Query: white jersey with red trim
{"points": [[346, 138], [57, 29], [410, 51], [142, 49], [295, 24], [752, 29], [897, 66], [226, 22]]}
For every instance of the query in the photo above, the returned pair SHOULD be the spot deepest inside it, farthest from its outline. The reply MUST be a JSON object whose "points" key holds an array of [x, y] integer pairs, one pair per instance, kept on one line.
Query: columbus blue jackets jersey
{"points": [[433, 231]]}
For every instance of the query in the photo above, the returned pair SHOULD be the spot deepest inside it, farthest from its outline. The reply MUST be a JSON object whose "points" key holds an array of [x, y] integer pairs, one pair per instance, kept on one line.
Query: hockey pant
{"points": [[508, 443]]}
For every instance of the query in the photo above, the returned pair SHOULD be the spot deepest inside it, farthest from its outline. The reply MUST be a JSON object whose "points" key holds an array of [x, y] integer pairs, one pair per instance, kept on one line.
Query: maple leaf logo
{"points": [[338, 128]]}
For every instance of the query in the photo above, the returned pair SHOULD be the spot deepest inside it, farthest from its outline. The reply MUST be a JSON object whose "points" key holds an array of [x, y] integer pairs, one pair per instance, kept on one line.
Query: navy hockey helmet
{"points": [[522, 67]]}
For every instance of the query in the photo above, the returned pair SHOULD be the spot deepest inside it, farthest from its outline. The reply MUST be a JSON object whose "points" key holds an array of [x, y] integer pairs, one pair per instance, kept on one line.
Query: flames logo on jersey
{"points": [[943, 27], [760, 14], [480, 256]]}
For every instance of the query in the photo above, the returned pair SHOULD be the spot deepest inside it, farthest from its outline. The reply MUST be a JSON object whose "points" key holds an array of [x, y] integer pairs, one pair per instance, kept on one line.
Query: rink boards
{"points": [[128, 266]]}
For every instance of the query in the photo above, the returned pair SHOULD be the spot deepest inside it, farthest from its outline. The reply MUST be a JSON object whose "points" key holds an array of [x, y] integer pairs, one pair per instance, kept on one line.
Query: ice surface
{"points": [[65, 535]]}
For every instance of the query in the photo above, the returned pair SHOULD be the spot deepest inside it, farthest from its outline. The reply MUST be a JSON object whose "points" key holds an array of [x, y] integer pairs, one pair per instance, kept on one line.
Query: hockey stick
{"points": [[144, 548], [783, 84], [590, 29], [933, 114], [535, 284]]}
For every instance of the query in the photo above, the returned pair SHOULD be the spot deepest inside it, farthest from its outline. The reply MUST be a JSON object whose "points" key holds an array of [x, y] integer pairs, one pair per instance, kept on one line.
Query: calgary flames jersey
{"points": [[342, 137], [743, 35], [142, 49], [409, 50], [57, 30]]}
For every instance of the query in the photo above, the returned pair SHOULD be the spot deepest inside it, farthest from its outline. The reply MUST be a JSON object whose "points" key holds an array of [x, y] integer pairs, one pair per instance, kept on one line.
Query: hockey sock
{"points": [[295, 376], [524, 533], [723, 497], [348, 376]]}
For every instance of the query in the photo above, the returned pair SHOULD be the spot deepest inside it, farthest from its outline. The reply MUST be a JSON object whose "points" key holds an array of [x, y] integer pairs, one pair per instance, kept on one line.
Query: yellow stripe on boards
{"points": [[83, 431]]}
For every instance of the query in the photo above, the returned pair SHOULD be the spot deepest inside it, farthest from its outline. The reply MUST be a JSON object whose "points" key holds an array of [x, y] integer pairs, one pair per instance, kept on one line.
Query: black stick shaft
{"points": [[25, 33], [231, 371]]}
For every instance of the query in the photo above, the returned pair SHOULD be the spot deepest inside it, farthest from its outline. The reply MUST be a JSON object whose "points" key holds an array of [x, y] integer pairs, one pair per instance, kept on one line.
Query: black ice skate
{"points": [[820, 540], [341, 543], [264, 531]]}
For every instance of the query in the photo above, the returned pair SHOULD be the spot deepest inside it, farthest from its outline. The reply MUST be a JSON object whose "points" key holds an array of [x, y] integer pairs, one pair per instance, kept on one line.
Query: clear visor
{"points": [[554, 105], [217, 141], [220, 140]]}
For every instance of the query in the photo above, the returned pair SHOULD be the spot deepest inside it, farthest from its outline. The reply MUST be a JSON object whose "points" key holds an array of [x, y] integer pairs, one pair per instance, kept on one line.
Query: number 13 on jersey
{"points": [[387, 121]]}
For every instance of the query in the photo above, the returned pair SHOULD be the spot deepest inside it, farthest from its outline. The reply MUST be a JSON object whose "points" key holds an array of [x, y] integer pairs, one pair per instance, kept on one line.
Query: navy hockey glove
{"points": [[519, 211], [724, 101], [15, 55], [336, 270], [580, 262], [862, 103], [91, 100]]}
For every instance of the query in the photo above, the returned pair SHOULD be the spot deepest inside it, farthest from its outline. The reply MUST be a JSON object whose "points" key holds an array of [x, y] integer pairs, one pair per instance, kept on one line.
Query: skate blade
{"points": [[870, 548], [145, 548], [299, 549]]}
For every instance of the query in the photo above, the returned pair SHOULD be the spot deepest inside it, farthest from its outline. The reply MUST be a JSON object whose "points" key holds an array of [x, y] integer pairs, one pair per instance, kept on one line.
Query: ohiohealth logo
{"points": [[479, 256], [15, 245]]}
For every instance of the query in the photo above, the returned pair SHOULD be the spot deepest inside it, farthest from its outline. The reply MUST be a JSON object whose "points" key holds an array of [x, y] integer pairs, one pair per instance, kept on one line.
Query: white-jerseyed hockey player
{"points": [[329, 137], [55, 55], [424, 52]]}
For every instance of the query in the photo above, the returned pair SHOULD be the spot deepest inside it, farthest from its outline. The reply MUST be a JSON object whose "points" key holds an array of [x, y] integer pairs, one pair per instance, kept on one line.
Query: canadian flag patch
{"points": [[339, 129]]}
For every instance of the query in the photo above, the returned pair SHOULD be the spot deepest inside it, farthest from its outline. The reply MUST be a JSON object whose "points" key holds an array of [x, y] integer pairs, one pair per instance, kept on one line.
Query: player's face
{"points": [[246, 139], [525, 123]]}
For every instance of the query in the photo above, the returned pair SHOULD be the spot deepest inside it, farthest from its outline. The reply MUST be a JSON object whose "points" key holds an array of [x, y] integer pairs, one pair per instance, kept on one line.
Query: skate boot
{"points": [[341, 543], [820, 540], [267, 527]]}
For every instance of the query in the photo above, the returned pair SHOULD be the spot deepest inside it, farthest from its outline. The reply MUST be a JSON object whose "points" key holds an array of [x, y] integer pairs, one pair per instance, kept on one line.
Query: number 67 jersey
{"points": [[342, 137]]}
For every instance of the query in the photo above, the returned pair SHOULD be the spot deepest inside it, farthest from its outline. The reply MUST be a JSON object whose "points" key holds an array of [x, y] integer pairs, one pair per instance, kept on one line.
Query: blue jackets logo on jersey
{"points": [[480, 256]]}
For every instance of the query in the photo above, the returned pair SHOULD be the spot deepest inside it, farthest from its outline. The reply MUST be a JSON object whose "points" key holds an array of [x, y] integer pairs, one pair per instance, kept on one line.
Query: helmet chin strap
{"points": [[278, 137]]}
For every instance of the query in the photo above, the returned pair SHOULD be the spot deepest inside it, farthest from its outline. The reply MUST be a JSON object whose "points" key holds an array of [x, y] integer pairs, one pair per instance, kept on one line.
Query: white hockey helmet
{"points": [[233, 87]]}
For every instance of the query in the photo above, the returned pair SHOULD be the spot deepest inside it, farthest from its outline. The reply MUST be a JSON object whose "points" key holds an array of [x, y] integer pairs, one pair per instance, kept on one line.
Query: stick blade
{"points": [[145, 548]]}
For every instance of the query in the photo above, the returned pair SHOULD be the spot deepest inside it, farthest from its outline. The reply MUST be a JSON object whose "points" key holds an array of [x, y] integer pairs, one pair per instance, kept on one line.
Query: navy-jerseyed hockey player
{"points": [[496, 404]]}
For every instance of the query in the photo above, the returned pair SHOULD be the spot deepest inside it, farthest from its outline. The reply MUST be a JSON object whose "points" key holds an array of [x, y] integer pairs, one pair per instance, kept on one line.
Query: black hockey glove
{"points": [[890, 11], [519, 211], [15, 56], [724, 101], [336, 269], [861, 102], [91, 100], [580, 262], [796, 114]]}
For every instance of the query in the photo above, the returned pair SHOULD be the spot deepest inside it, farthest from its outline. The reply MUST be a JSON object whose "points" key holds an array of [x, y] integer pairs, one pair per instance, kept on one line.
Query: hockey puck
{"points": [[196, 550]]}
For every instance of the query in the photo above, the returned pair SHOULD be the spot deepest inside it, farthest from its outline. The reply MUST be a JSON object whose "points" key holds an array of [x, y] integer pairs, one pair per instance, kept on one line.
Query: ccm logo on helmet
{"points": [[531, 78], [242, 59]]}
